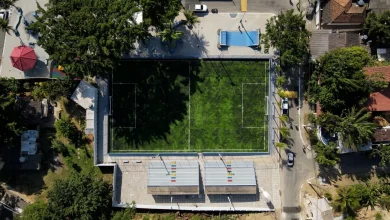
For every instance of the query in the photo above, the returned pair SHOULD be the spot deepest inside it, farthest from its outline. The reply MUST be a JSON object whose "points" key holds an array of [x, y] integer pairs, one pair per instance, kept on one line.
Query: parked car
{"points": [[285, 106], [3, 14], [198, 8], [290, 159]]}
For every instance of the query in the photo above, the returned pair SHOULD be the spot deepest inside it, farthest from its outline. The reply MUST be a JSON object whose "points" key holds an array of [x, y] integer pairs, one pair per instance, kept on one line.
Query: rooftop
{"points": [[379, 100], [381, 135], [343, 12]]}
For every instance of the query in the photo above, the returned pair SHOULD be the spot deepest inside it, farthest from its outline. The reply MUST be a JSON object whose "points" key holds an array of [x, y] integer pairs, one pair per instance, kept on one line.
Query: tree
{"points": [[79, 197], [4, 25], [35, 211], [371, 194], [66, 128], [281, 145], [354, 127], [170, 35], [6, 4], [383, 152], [284, 132], [54, 89], [280, 81], [159, 12], [191, 18], [126, 214], [10, 111], [378, 27], [287, 32], [87, 36], [338, 81], [347, 201], [326, 155], [284, 119], [384, 202]]}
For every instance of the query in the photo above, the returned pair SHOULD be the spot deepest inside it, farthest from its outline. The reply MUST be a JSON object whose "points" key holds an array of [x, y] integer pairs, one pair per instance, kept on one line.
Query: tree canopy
{"points": [[9, 111], [77, 197], [326, 155], [87, 36], [378, 27], [339, 82], [287, 32], [54, 89], [354, 126]]}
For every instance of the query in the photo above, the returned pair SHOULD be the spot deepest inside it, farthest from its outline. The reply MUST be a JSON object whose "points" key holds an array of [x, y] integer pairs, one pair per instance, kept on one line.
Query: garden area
{"points": [[189, 106]]}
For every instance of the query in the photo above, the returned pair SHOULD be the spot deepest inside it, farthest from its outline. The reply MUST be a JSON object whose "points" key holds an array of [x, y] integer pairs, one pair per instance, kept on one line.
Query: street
{"points": [[292, 178]]}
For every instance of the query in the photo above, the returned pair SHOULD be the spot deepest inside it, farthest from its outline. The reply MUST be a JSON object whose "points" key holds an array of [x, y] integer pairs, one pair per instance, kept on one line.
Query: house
{"points": [[379, 101], [343, 14], [34, 112], [323, 41]]}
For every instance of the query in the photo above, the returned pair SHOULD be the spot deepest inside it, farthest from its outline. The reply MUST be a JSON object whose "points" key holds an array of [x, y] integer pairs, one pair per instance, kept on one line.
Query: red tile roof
{"points": [[379, 101], [385, 70]]}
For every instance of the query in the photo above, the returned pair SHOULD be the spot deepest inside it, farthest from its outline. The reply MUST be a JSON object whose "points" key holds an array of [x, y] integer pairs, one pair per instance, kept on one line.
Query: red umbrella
{"points": [[23, 58]]}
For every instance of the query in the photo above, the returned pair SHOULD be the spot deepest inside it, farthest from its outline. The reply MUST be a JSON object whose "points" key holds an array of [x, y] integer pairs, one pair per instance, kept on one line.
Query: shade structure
{"points": [[23, 58]]}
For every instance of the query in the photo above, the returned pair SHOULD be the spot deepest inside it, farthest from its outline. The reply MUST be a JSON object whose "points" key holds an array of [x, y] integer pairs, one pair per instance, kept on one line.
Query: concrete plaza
{"points": [[132, 178], [41, 68], [202, 40]]}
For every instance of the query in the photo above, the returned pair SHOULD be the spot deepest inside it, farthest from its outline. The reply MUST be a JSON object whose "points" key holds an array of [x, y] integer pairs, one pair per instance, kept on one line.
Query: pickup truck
{"points": [[197, 8]]}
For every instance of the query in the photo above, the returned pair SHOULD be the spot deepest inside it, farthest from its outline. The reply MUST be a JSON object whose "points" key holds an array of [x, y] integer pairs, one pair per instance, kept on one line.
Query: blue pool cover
{"points": [[237, 38]]}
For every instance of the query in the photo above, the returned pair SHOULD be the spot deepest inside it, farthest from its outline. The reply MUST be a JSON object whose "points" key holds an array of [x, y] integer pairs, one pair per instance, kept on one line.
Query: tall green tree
{"points": [[354, 127], [79, 197], [191, 18], [10, 111], [4, 25], [170, 35], [159, 12], [87, 36], [347, 200], [54, 89], [6, 4], [378, 27], [35, 211], [287, 32], [383, 152], [326, 155], [338, 81]]}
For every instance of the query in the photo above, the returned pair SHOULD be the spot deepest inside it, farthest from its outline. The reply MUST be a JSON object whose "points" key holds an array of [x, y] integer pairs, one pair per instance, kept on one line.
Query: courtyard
{"points": [[189, 106]]}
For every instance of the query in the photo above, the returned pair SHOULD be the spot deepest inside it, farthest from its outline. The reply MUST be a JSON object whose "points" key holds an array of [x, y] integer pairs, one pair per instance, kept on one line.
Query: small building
{"points": [[86, 96], [29, 142], [35, 112], [173, 177], [379, 101], [230, 177]]}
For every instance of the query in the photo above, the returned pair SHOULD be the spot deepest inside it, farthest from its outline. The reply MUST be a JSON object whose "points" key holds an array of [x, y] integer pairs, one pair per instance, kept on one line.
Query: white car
{"points": [[290, 159], [198, 8], [285, 106], [3, 14]]}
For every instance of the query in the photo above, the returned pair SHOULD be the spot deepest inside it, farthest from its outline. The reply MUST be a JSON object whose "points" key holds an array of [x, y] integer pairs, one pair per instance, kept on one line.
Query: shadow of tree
{"points": [[160, 98]]}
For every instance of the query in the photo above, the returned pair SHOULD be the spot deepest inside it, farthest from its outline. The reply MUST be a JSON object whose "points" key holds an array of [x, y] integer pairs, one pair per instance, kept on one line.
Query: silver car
{"points": [[290, 159]]}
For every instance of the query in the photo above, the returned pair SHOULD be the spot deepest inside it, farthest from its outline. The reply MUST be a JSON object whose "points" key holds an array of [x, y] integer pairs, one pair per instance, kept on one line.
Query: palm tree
{"points": [[284, 119], [370, 198], [355, 128], [191, 18], [170, 35], [347, 201], [281, 145], [284, 132], [4, 25]]}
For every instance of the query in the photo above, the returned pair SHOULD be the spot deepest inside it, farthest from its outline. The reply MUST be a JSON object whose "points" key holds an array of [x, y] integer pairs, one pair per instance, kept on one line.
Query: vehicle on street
{"points": [[197, 8], [290, 159], [3, 14], [214, 11], [285, 106]]}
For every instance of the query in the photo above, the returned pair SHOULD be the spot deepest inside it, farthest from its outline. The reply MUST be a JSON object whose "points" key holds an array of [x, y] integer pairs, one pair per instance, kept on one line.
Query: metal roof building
{"points": [[173, 177], [230, 177]]}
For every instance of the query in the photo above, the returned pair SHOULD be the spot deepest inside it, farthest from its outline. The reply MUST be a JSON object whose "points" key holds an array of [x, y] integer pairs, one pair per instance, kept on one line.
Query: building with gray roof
{"points": [[173, 177], [230, 177]]}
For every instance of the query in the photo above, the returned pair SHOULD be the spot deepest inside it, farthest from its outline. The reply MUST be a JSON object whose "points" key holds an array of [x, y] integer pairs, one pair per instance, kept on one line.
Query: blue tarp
{"points": [[237, 38]]}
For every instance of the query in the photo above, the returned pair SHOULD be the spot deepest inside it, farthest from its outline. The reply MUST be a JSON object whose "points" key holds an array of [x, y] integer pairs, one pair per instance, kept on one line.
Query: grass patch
{"points": [[183, 106]]}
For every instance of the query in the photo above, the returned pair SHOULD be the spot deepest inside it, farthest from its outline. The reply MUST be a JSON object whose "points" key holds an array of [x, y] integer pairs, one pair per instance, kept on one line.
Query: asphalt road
{"points": [[293, 177]]}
